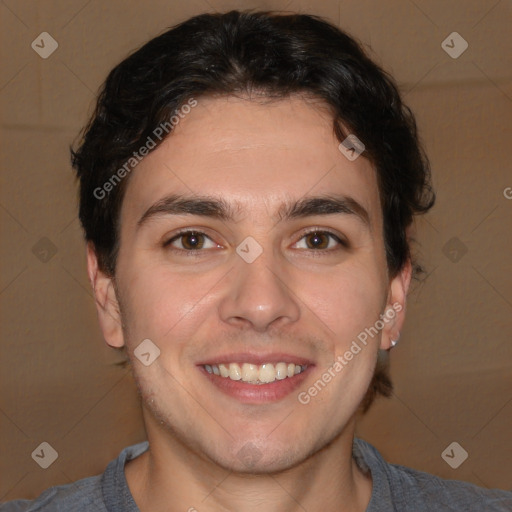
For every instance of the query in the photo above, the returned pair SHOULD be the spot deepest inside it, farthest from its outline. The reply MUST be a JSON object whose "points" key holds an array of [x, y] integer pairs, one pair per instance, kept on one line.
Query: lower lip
{"points": [[257, 393]]}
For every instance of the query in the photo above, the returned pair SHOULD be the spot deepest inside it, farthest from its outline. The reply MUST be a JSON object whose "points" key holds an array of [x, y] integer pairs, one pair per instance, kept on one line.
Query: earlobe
{"points": [[395, 307], [107, 304]]}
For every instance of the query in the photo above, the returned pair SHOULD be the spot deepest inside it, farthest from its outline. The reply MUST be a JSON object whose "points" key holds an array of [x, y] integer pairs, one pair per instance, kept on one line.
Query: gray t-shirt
{"points": [[395, 488]]}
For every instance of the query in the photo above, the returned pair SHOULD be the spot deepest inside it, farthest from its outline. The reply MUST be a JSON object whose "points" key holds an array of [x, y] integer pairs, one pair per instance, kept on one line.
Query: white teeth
{"points": [[267, 373], [281, 371], [255, 374], [234, 371], [250, 372]]}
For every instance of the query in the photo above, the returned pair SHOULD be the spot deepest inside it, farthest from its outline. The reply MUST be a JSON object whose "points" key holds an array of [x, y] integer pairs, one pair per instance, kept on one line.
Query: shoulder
{"points": [[424, 489], [78, 496], [409, 489], [100, 493]]}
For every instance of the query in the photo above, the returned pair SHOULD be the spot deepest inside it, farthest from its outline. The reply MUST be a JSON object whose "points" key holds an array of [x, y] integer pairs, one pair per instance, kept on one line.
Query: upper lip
{"points": [[256, 358]]}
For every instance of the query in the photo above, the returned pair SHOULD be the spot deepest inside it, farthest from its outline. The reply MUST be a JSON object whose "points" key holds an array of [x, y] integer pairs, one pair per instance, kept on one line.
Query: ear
{"points": [[394, 313], [106, 300]]}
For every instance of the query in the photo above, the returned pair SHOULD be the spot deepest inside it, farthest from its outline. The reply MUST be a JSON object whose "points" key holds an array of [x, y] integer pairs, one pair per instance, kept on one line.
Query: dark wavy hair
{"points": [[247, 53]]}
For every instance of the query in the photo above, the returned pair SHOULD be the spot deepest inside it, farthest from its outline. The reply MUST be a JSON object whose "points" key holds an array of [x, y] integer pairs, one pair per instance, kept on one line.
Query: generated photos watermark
{"points": [[160, 132], [304, 397]]}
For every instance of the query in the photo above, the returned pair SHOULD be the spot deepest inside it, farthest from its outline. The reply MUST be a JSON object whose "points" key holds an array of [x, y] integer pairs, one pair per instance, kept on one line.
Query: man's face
{"points": [[302, 301]]}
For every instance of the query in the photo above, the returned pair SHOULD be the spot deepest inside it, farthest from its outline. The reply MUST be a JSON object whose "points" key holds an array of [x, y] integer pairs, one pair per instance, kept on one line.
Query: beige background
{"points": [[452, 368]]}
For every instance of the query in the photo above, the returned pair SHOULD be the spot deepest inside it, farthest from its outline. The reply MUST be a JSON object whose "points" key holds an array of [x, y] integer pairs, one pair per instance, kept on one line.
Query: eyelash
{"points": [[197, 252]]}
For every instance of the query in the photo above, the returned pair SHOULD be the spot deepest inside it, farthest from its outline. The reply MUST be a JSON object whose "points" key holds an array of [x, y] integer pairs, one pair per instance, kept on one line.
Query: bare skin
{"points": [[306, 295]]}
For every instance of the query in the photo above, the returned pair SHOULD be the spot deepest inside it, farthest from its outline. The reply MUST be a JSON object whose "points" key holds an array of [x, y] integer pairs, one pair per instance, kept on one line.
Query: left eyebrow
{"points": [[213, 207], [324, 205]]}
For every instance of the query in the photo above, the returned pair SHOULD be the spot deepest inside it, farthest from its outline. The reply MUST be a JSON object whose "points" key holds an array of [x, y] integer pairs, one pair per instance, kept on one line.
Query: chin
{"points": [[251, 460]]}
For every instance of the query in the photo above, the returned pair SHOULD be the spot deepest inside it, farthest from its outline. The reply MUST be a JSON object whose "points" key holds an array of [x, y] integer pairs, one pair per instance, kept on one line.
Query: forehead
{"points": [[253, 153]]}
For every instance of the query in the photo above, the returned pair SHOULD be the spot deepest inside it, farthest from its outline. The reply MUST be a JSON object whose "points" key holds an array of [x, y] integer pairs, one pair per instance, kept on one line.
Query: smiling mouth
{"points": [[255, 374]]}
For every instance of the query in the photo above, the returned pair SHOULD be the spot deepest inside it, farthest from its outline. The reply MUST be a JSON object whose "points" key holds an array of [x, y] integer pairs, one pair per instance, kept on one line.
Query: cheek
{"points": [[348, 300], [163, 305]]}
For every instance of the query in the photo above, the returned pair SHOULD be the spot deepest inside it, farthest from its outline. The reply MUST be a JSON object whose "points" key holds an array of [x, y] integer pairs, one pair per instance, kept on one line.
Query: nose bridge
{"points": [[258, 294]]}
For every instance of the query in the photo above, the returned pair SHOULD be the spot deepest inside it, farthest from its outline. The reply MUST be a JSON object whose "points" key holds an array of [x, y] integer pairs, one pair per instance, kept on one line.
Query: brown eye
{"points": [[320, 241], [190, 241], [317, 240]]}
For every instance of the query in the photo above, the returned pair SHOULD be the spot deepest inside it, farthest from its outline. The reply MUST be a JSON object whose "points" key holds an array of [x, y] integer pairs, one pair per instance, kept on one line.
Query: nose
{"points": [[258, 296]]}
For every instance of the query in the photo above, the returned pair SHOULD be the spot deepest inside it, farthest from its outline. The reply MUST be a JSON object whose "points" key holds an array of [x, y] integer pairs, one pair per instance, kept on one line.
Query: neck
{"points": [[171, 474]]}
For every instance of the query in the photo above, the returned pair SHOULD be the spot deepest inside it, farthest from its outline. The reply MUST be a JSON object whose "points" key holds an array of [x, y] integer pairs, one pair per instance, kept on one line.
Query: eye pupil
{"points": [[192, 240], [316, 239]]}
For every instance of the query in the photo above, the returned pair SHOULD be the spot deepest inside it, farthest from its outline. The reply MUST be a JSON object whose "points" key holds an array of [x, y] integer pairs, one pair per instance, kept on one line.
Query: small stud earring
{"points": [[394, 343]]}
